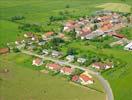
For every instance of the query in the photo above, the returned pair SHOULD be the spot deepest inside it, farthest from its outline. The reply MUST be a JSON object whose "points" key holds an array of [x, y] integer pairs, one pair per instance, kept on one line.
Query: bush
{"points": [[17, 18], [31, 27], [16, 50]]}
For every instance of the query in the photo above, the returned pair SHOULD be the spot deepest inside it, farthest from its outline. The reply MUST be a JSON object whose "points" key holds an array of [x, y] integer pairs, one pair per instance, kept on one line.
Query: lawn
{"points": [[31, 84]]}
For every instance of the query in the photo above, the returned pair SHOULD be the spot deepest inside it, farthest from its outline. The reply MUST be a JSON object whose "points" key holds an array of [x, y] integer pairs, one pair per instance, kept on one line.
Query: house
{"points": [[54, 67], [4, 50], [28, 35], [81, 60], [85, 79], [45, 52], [55, 53], [75, 78], [69, 26], [66, 70], [47, 35], [128, 46], [37, 62], [70, 58], [100, 65]]}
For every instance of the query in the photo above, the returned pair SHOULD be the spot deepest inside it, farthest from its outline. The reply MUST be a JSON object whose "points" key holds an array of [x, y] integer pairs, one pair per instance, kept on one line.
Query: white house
{"points": [[70, 58], [55, 53], [81, 60]]}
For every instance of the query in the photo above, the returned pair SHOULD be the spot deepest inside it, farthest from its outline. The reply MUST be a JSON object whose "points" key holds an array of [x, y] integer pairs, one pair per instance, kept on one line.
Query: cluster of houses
{"points": [[84, 78], [102, 24]]}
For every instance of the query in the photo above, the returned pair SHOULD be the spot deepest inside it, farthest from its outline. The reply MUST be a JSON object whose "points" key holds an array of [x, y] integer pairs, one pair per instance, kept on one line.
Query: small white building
{"points": [[81, 60], [128, 46], [55, 53], [70, 58], [45, 52]]}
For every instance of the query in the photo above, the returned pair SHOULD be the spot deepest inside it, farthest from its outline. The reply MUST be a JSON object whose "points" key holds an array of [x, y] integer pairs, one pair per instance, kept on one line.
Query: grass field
{"points": [[30, 84], [39, 11], [121, 7]]}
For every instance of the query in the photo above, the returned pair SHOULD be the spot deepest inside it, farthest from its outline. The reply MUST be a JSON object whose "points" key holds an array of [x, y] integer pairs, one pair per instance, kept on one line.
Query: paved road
{"points": [[104, 82]]}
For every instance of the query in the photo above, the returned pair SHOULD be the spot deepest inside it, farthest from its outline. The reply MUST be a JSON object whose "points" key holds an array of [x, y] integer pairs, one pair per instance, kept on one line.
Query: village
{"points": [[104, 23]]}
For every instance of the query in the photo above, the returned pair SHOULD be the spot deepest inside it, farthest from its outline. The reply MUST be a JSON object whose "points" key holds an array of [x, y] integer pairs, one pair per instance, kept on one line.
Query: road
{"points": [[105, 83]]}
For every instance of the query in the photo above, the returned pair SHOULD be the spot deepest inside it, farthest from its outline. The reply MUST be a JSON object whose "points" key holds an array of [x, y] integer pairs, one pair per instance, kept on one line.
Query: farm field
{"points": [[39, 11], [32, 84]]}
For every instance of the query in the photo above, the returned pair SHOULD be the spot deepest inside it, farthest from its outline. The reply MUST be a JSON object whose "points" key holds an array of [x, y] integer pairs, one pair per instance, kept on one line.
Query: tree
{"points": [[56, 41], [67, 6], [71, 51], [16, 50]]}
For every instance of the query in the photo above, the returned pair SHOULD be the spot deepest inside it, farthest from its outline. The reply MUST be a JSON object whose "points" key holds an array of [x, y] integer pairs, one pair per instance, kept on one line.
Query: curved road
{"points": [[104, 82]]}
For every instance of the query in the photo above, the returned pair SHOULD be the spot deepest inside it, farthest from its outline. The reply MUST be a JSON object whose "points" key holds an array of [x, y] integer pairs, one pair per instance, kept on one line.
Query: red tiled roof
{"points": [[75, 78], [54, 66], [67, 69], [85, 77], [49, 33], [4, 50], [38, 60]]}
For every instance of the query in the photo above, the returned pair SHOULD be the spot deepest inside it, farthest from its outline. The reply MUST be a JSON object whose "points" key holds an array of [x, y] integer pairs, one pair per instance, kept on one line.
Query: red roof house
{"points": [[53, 66], [66, 70], [75, 78], [85, 79], [37, 62]]}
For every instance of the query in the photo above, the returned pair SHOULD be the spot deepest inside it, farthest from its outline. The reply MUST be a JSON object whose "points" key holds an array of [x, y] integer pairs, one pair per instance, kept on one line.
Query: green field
{"points": [[121, 7], [39, 11]]}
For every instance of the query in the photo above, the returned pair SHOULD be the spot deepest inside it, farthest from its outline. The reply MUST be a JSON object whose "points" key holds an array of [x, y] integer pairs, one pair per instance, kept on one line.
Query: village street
{"points": [[105, 84]]}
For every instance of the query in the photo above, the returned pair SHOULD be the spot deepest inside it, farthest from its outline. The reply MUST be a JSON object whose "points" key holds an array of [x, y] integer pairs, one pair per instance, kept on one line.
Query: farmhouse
{"points": [[53, 66], [100, 65], [128, 46], [37, 62], [4, 50], [85, 79], [66, 70], [70, 58]]}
